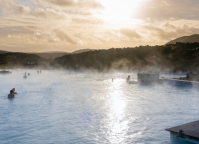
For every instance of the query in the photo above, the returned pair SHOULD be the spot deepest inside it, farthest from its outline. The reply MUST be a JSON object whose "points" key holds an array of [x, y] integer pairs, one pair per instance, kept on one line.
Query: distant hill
{"points": [[82, 50], [186, 39], [173, 57], [2, 52], [18, 58], [51, 55], [54, 52]]}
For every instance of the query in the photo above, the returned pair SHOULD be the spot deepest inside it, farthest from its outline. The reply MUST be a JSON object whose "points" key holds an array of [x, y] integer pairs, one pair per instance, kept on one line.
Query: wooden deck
{"points": [[190, 129]]}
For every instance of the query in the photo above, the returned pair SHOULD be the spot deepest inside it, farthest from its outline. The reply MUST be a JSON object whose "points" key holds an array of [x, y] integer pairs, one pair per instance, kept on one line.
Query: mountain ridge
{"points": [[82, 50], [3, 52], [186, 39], [52, 54]]}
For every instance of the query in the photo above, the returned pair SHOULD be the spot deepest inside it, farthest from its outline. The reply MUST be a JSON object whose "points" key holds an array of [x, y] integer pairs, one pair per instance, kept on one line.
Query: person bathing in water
{"points": [[11, 95], [14, 91], [128, 78]]}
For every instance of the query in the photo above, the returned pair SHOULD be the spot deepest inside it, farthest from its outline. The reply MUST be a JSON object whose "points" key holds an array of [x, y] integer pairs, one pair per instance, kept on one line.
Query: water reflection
{"points": [[90, 108], [116, 123]]}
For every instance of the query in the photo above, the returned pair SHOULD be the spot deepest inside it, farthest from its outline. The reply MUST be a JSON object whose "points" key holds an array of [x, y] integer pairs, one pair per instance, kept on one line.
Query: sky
{"points": [[69, 25]]}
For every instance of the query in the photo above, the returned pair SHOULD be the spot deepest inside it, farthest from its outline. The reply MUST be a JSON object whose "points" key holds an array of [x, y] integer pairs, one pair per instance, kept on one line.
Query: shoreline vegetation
{"points": [[182, 57]]}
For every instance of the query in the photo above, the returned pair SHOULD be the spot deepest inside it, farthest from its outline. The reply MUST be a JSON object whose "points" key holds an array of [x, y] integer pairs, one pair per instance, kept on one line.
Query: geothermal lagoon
{"points": [[66, 106]]}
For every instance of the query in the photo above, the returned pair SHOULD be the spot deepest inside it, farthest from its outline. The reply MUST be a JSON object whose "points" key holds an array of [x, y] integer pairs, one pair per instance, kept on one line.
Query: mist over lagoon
{"points": [[67, 106], [99, 71]]}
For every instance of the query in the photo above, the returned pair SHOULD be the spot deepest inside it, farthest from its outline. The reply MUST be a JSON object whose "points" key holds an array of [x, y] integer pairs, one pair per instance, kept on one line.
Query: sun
{"points": [[119, 9]]}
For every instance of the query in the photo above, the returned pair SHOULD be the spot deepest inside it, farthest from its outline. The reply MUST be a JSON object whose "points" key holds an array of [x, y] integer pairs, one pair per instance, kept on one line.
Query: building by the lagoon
{"points": [[148, 77], [192, 76]]}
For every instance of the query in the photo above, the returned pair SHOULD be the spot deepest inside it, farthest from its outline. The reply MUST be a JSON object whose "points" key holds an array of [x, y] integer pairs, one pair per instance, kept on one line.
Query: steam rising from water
{"points": [[62, 106]]}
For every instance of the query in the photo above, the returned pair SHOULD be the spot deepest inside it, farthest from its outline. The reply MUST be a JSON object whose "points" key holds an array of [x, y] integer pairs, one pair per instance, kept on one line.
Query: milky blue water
{"points": [[62, 106]]}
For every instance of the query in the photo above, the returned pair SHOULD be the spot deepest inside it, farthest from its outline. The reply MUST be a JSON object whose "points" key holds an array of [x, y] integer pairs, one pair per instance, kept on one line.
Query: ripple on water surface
{"points": [[62, 106]]}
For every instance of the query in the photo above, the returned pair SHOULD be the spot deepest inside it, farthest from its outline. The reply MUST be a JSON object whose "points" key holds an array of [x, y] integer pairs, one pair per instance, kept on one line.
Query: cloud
{"points": [[165, 9], [62, 35], [151, 33], [21, 9], [167, 31], [88, 21], [76, 23], [12, 45], [10, 6], [90, 4], [131, 34], [55, 35], [15, 30], [49, 13]]}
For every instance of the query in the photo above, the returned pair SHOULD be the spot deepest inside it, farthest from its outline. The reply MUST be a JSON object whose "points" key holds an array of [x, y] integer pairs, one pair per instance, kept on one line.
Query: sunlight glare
{"points": [[116, 116], [119, 9]]}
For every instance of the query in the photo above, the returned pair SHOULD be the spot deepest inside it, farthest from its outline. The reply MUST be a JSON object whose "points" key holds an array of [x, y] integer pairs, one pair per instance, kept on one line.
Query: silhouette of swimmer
{"points": [[14, 91], [11, 95], [128, 78], [112, 79], [28, 74], [25, 75]]}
